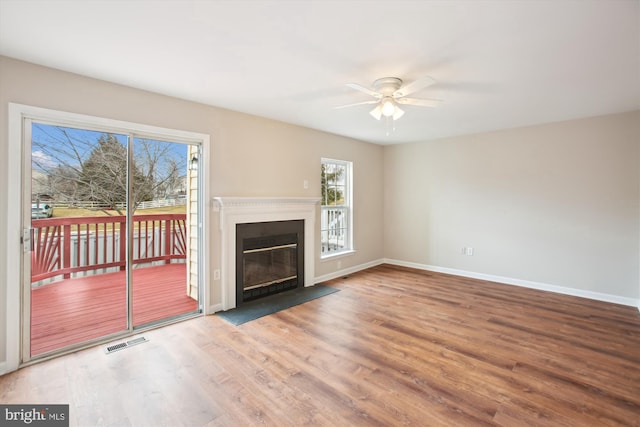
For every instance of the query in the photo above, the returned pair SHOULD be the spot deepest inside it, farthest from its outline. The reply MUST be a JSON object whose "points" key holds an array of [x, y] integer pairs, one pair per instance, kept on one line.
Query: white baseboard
{"points": [[523, 283], [499, 279], [347, 271]]}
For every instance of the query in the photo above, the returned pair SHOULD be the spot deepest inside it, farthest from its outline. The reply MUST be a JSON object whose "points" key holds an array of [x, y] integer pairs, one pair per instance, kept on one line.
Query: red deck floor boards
{"points": [[79, 309]]}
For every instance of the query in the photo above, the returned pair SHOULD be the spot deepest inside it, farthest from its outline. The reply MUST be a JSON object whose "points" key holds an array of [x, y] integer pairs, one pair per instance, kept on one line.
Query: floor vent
{"points": [[126, 344]]}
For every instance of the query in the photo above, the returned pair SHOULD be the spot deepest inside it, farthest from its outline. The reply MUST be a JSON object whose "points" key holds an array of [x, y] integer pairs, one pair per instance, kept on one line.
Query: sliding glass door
{"points": [[162, 237], [110, 234]]}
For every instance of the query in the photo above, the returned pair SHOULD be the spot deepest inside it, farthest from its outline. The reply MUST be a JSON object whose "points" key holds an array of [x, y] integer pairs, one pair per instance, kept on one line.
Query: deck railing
{"points": [[158, 203], [87, 245], [333, 228]]}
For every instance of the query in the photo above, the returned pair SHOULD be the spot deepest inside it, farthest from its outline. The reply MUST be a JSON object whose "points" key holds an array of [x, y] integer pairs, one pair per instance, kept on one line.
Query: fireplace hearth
{"points": [[269, 258]]}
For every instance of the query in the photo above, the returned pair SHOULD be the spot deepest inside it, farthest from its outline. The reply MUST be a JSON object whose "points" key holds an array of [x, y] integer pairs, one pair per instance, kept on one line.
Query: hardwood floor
{"points": [[394, 347]]}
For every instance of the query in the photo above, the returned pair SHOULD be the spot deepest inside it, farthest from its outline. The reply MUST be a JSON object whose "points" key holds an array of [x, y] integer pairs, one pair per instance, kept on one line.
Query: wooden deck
{"points": [[79, 309]]}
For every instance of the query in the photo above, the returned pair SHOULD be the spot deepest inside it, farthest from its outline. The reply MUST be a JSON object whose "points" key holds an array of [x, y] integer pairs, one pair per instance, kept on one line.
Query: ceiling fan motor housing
{"points": [[387, 85]]}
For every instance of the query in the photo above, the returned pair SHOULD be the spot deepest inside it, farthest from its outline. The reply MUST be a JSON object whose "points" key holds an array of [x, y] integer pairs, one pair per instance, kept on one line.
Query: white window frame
{"points": [[345, 211]]}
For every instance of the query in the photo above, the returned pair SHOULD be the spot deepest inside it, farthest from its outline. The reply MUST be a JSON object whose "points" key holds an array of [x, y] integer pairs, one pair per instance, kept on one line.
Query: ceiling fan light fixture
{"points": [[398, 113], [377, 112], [388, 107]]}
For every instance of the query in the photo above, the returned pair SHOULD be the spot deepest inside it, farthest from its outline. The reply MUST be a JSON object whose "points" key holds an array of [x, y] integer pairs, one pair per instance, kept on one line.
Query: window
{"points": [[335, 221]]}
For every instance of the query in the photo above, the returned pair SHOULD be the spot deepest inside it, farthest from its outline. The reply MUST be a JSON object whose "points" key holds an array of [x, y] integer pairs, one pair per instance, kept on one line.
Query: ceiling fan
{"points": [[389, 92]]}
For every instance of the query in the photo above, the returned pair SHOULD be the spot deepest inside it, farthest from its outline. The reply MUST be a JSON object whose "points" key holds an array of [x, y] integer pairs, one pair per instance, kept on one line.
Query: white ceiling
{"points": [[498, 64]]}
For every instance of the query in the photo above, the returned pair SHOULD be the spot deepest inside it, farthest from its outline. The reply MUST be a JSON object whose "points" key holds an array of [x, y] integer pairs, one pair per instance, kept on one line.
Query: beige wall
{"points": [[556, 204], [250, 156]]}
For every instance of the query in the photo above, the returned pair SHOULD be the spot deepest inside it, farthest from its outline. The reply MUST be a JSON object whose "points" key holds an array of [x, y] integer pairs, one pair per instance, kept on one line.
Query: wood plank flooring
{"points": [[394, 347], [79, 309]]}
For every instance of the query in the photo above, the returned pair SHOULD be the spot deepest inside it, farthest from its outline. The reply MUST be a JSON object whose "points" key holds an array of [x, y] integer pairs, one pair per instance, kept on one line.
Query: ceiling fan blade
{"points": [[364, 90], [414, 86], [357, 103], [419, 102]]}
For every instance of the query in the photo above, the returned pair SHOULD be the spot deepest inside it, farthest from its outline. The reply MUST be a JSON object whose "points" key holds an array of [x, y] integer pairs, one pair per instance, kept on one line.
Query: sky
{"points": [[56, 145]]}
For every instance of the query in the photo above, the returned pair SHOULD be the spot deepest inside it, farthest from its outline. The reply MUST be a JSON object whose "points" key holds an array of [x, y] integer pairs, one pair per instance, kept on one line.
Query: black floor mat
{"points": [[274, 303]]}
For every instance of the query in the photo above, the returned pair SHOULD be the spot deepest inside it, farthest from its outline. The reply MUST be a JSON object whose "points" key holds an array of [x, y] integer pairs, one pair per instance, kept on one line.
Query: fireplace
{"points": [[269, 258], [234, 211]]}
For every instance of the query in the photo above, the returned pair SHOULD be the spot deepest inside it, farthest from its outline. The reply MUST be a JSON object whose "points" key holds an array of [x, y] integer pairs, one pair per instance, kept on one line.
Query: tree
{"points": [[90, 166], [162, 168], [63, 182], [103, 178], [57, 158], [332, 194]]}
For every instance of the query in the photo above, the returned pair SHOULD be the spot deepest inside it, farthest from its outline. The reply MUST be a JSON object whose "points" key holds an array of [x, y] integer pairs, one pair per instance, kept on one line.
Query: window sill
{"points": [[337, 255]]}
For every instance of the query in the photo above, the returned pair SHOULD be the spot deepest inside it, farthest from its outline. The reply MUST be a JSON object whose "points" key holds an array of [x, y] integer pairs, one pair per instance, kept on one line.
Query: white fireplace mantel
{"points": [[240, 210]]}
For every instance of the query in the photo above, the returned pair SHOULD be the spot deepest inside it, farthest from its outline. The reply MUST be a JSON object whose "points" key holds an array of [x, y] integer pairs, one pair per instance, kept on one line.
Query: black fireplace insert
{"points": [[269, 258]]}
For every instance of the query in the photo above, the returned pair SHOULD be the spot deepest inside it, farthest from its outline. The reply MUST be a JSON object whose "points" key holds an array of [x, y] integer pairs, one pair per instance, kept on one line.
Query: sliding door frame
{"points": [[19, 115]]}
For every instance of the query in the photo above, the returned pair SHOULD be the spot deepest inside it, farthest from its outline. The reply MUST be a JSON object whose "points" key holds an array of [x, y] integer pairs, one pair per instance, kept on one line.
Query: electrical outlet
{"points": [[469, 251], [305, 184], [216, 274], [464, 250]]}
